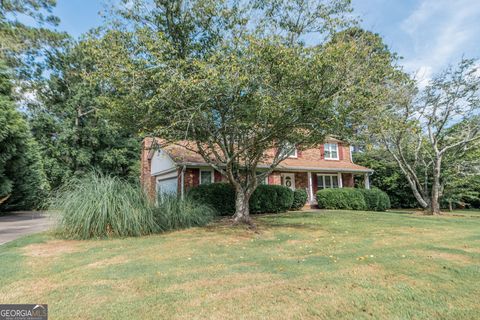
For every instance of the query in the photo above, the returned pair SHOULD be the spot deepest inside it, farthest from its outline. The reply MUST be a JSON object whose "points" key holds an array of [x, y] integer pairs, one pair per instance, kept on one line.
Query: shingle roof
{"points": [[182, 152]]}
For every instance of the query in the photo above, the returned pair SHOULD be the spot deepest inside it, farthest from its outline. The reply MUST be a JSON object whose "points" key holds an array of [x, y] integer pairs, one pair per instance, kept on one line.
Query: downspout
{"points": [[182, 181]]}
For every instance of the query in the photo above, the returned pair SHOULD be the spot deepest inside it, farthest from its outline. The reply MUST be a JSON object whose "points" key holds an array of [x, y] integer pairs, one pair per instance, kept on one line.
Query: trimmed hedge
{"points": [[376, 199], [353, 199], [271, 199], [221, 197], [342, 198], [299, 199]]}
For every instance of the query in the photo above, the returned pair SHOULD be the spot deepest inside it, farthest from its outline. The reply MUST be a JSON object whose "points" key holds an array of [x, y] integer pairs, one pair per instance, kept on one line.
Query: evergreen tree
{"points": [[68, 122], [22, 179]]}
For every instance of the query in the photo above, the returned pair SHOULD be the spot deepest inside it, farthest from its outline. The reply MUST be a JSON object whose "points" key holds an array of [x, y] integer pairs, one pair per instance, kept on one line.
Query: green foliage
{"points": [[271, 199], [265, 199], [387, 177], [220, 196], [376, 199], [237, 76], [172, 213], [299, 199], [20, 42], [353, 199], [21, 172], [74, 134], [98, 206], [342, 198]]}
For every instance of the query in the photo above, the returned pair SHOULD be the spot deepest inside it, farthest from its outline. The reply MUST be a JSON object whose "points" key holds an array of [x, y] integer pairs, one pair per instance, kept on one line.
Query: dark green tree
{"points": [[387, 177], [68, 123], [22, 180]]}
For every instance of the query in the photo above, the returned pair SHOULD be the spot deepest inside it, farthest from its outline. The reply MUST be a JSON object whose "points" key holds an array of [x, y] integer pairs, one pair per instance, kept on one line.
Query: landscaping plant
{"points": [[299, 199], [99, 206], [173, 213]]}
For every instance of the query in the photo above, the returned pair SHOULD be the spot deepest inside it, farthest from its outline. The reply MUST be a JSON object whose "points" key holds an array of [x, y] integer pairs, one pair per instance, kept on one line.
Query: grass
{"points": [[317, 265]]}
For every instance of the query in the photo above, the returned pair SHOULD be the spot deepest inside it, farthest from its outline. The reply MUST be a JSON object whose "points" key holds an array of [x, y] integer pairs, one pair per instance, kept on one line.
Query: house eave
{"points": [[294, 169]]}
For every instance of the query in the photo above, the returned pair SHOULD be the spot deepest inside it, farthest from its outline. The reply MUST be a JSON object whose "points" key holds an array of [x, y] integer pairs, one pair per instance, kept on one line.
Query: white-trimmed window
{"points": [[325, 181], [262, 181], [293, 153], [330, 151], [291, 150], [206, 176]]}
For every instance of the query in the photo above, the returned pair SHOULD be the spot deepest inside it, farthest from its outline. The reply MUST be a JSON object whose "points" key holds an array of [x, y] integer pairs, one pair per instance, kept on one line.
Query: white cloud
{"points": [[440, 31]]}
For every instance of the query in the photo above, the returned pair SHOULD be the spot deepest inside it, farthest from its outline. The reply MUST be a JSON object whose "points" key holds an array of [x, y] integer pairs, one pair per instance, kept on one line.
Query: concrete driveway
{"points": [[19, 224]]}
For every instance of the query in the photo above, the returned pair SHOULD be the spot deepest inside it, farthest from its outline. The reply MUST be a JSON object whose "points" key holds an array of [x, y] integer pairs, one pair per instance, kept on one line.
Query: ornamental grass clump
{"points": [[173, 213], [99, 206]]}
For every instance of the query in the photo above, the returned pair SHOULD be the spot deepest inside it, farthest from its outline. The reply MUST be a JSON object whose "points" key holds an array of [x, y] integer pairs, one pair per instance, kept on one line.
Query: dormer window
{"points": [[291, 149], [330, 151]]}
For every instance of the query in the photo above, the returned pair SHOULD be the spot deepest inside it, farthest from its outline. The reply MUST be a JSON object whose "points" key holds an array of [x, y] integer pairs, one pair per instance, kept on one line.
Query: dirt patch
{"points": [[52, 248]]}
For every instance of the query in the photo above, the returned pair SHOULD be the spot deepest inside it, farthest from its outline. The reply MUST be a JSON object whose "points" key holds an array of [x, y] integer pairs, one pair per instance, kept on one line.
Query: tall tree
{"points": [[67, 121], [421, 131], [253, 92], [22, 179], [21, 43]]}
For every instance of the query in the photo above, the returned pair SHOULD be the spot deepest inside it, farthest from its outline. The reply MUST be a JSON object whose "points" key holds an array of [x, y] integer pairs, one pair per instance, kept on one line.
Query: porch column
{"points": [[367, 181], [310, 187], [340, 182]]}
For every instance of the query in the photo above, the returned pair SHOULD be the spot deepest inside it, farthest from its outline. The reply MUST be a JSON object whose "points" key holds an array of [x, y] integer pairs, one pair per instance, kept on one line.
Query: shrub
{"points": [[271, 199], [342, 198], [174, 213], [299, 199], [103, 206], [376, 199], [220, 196]]}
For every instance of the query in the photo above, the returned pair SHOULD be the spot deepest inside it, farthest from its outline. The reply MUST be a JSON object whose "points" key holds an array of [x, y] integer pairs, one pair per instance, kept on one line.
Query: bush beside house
{"points": [[353, 199], [271, 199], [299, 199], [220, 196], [265, 199], [99, 206]]}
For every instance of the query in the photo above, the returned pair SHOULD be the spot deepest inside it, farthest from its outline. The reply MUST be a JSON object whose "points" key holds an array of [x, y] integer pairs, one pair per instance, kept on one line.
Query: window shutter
{"points": [[322, 152], [340, 151], [314, 184], [217, 176], [270, 179], [196, 177]]}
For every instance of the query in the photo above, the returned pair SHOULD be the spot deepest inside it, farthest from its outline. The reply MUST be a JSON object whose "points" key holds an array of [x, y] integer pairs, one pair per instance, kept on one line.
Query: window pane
{"points": [[335, 182], [205, 177], [320, 182], [328, 182]]}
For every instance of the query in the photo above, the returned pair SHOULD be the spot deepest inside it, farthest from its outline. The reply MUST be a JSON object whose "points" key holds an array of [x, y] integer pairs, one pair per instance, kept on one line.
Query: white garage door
{"points": [[167, 186]]}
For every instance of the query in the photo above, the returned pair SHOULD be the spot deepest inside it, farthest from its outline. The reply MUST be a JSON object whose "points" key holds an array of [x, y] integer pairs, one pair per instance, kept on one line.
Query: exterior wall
{"points": [[275, 178], [301, 181], [192, 178], [347, 179]]}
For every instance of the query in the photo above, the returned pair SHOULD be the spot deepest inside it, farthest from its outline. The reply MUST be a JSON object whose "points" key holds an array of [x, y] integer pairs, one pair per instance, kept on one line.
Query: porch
{"points": [[312, 181]]}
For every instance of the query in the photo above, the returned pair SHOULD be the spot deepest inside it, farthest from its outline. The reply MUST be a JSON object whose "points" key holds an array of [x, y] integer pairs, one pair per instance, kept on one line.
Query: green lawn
{"points": [[318, 265]]}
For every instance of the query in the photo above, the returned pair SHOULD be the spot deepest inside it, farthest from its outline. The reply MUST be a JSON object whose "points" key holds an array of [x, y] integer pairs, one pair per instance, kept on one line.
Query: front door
{"points": [[288, 180]]}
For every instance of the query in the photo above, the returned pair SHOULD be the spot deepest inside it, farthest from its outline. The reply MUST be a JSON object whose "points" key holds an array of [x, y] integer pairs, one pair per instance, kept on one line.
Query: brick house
{"points": [[176, 168]]}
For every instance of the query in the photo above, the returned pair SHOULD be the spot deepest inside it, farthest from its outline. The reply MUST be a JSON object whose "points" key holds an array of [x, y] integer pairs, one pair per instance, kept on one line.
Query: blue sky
{"points": [[428, 34]]}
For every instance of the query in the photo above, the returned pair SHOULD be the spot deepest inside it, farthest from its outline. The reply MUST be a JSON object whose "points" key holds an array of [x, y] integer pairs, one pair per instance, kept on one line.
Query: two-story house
{"points": [[175, 169]]}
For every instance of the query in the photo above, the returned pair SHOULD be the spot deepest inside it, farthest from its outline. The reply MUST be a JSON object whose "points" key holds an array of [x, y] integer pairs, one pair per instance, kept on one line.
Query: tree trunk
{"points": [[435, 201], [450, 206], [242, 208]]}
